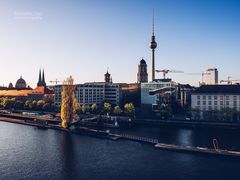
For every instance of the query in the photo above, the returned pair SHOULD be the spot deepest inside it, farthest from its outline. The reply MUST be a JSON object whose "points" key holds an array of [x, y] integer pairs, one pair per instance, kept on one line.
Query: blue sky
{"points": [[83, 38]]}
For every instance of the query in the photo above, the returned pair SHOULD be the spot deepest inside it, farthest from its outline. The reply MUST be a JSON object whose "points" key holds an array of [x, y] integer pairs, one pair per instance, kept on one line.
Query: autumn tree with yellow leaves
{"points": [[69, 102]]}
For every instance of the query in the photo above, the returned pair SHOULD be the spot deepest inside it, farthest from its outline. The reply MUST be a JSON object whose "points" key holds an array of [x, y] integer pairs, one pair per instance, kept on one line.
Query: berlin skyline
{"points": [[85, 38]]}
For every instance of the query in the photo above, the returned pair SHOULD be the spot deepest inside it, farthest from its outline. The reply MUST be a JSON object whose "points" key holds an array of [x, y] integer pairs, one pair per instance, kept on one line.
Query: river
{"points": [[30, 153]]}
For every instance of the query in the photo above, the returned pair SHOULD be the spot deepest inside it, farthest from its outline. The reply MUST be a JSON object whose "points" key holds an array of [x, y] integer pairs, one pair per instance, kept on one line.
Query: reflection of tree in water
{"points": [[67, 155]]}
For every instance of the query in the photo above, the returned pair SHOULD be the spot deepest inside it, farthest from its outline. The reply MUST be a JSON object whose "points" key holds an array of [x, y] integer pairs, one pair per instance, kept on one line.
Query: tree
{"points": [[8, 103], [19, 105], [78, 108], [40, 104], [46, 107], [27, 104], [33, 105], [85, 108], [94, 108], [129, 108], [107, 107], [69, 102], [117, 110]]}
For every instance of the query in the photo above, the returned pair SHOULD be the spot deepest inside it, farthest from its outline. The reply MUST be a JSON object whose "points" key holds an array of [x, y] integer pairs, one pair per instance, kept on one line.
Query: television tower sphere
{"points": [[153, 43]]}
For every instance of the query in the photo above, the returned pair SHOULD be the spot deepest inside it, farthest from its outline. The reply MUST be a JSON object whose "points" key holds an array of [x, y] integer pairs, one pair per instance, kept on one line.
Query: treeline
{"points": [[106, 108], [49, 106], [34, 105]]}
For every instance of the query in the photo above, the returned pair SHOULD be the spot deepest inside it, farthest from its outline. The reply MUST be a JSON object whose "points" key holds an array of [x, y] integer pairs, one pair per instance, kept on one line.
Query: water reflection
{"points": [[67, 155], [185, 137]]}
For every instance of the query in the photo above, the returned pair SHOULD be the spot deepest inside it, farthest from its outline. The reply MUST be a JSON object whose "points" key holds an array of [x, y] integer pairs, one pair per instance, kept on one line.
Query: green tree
{"points": [[46, 107], [40, 104], [19, 105], [69, 102], [78, 108], [27, 104], [129, 108], [117, 110], [85, 108], [107, 107], [33, 105], [94, 108], [9, 103]]}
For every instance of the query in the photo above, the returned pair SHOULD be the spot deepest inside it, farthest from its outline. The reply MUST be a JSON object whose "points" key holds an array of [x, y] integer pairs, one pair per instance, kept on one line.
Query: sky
{"points": [[84, 38]]}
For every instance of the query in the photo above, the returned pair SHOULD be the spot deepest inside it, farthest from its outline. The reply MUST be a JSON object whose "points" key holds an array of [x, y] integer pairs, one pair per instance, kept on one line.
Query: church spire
{"points": [[39, 78], [43, 79]]}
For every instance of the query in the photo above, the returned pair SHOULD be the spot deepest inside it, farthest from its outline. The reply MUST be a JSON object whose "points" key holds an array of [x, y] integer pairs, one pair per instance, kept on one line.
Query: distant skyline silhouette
{"points": [[85, 38]]}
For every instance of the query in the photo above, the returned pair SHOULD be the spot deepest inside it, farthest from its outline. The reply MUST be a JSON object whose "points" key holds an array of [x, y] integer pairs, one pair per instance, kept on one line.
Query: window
{"points": [[215, 108], [215, 97], [227, 98], [234, 98], [204, 97], [215, 103], [209, 108], [198, 97], [198, 103], [227, 103], [221, 98], [209, 97], [204, 102], [235, 104], [209, 103]]}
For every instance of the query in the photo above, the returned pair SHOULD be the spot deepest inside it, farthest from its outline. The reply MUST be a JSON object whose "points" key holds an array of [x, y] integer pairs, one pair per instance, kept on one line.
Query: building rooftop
{"points": [[218, 89]]}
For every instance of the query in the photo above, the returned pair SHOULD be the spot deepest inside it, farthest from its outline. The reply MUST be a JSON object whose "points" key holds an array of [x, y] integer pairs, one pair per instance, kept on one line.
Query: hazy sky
{"points": [[83, 38]]}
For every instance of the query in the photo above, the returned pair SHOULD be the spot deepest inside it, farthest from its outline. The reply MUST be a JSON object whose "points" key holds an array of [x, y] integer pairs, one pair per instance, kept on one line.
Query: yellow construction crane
{"points": [[55, 82], [229, 80], [166, 71]]}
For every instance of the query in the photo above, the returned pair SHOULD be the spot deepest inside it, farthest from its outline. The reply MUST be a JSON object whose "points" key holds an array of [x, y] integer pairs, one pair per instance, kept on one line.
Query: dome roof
{"points": [[21, 83], [142, 61], [10, 85]]}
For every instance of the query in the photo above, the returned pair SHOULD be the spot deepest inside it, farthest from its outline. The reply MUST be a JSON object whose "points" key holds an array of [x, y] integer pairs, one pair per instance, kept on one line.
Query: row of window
{"points": [[217, 97], [216, 103]]}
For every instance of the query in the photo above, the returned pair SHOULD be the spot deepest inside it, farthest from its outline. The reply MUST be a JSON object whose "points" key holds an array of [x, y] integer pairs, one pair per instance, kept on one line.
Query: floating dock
{"points": [[173, 147]]}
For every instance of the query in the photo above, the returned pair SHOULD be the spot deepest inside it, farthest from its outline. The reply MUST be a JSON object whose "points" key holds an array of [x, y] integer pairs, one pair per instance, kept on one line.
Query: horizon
{"points": [[85, 38]]}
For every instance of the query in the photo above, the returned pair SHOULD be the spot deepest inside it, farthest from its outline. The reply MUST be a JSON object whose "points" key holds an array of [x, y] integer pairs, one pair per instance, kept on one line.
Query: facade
{"points": [[131, 93], [216, 97], [93, 92], [184, 95], [23, 92], [152, 92], [142, 75], [211, 77]]}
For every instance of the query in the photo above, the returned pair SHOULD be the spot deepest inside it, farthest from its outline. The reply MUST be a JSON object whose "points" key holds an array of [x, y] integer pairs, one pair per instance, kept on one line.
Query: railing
{"points": [[139, 138]]}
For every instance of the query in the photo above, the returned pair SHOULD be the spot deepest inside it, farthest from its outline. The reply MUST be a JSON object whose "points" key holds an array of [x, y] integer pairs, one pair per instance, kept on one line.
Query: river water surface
{"points": [[30, 153]]}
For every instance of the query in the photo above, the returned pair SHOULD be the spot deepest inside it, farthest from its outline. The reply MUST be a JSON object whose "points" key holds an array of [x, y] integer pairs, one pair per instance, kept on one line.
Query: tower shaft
{"points": [[153, 64]]}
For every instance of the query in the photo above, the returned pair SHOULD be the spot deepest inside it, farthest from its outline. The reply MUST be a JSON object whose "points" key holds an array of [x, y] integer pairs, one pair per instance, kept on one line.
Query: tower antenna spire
{"points": [[153, 46], [153, 23]]}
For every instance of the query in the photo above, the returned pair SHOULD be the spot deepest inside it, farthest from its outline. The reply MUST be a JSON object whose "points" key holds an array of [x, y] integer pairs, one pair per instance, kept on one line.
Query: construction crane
{"points": [[229, 80], [202, 74], [56, 81], [166, 71]]}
